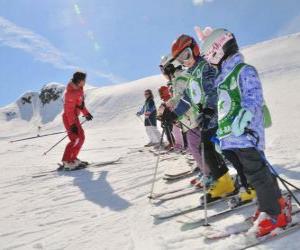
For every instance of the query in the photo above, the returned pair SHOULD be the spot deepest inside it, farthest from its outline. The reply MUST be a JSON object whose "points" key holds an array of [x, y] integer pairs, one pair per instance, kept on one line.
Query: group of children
{"points": [[216, 99]]}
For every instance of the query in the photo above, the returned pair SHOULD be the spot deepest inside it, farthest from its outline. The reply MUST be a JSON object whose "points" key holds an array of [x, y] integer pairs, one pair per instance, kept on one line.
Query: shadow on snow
{"points": [[99, 190]]}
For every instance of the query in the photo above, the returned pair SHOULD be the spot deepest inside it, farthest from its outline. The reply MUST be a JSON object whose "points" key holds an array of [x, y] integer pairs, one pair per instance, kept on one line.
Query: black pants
{"points": [[169, 134], [185, 140], [233, 158], [259, 176], [212, 158]]}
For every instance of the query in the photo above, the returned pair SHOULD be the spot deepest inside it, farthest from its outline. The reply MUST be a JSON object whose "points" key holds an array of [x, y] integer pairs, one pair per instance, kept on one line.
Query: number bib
{"points": [[229, 101]]}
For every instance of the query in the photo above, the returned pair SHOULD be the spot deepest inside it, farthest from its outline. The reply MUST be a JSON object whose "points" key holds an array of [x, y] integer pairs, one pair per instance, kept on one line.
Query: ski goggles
{"points": [[185, 55]]}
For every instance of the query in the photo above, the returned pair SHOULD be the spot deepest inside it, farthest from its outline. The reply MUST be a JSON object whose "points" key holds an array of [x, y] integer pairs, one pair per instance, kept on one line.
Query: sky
{"points": [[117, 41]]}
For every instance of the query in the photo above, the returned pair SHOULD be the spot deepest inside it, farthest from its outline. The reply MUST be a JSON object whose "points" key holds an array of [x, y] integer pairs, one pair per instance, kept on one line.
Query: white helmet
{"points": [[219, 45]]}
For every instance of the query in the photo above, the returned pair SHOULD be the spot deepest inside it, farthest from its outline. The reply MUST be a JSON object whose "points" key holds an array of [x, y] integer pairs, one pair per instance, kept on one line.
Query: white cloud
{"points": [[292, 26], [201, 2], [40, 48]]}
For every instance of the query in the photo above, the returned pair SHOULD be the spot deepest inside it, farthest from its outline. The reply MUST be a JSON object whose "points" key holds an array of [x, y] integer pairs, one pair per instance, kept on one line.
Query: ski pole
{"points": [[187, 127], [60, 141], [272, 169], [284, 182], [204, 188], [38, 136], [156, 165]]}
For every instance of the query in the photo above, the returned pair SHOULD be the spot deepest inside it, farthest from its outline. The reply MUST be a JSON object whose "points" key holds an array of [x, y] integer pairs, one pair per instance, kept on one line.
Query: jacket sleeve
{"points": [[151, 107], [142, 110], [70, 108], [251, 89], [210, 88], [84, 110], [183, 105], [180, 100]]}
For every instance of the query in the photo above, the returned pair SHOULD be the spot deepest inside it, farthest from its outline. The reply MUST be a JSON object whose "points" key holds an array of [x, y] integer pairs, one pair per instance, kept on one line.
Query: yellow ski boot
{"points": [[223, 187], [244, 196]]}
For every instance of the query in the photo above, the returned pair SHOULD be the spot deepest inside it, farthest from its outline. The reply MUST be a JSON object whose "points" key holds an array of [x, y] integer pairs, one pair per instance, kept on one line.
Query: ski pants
{"points": [[260, 177], [76, 141], [170, 137], [153, 134], [213, 159], [233, 158], [178, 137], [193, 137]]}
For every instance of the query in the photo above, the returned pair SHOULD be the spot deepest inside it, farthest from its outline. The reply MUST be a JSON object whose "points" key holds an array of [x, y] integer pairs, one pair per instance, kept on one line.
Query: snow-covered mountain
{"points": [[44, 105], [107, 208]]}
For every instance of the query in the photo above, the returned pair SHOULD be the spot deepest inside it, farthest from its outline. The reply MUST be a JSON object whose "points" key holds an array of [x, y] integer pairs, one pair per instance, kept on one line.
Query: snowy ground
{"points": [[107, 207]]}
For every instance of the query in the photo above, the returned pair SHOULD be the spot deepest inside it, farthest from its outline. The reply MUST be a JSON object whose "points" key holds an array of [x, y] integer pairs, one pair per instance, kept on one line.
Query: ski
{"points": [[179, 177], [156, 152], [158, 195], [290, 229], [216, 234], [186, 210], [192, 224], [195, 223], [93, 165], [176, 196]]}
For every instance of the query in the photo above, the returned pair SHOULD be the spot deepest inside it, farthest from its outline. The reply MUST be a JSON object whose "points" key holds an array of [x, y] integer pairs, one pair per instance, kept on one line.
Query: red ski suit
{"points": [[73, 107]]}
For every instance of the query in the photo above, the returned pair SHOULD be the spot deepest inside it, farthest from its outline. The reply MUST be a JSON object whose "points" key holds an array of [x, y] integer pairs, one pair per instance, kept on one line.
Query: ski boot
{"points": [[221, 188], [265, 223], [169, 147], [150, 144], [204, 180], [69, 166], [199, 178], [244, 196], [80, 162]]}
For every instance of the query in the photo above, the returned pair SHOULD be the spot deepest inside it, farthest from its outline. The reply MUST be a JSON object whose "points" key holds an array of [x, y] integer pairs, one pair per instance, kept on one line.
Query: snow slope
{"points": [[107, 208]]}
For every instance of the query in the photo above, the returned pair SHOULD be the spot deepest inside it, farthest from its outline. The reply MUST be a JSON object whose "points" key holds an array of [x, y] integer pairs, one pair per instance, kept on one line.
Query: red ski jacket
{"points": [[74, 103]]}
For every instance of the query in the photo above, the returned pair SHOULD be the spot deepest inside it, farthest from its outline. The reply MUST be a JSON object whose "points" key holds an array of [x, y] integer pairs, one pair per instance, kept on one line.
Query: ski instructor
{"points": [[74, 106]]}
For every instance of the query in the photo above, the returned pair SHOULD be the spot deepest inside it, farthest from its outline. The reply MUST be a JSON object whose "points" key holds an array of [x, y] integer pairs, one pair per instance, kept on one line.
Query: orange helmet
{"points": [[183, 42]]}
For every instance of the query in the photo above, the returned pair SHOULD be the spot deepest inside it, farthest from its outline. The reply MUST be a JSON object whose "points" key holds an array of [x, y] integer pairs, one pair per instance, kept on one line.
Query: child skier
{"points": [[185, 113], [200, 93], [241, 126], [73, 106], [149, 111], [169, 71], [165, 97]]}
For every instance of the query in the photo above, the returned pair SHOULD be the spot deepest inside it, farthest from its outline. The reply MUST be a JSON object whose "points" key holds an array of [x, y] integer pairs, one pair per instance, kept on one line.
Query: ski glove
{"points": [[74, 129], [241, 122], [205, 117], [89, 117]]}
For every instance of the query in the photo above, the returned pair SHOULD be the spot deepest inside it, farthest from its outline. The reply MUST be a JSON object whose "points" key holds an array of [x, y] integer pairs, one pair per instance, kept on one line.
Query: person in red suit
{"points": [[74, 106]]}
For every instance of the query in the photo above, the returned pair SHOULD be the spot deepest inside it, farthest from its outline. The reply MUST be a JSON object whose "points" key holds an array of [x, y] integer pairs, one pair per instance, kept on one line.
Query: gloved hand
{"points": [[89, 117], [147, 114], [241, 121], [74, 129], [138, 114], [205, 117], [169, 116]]}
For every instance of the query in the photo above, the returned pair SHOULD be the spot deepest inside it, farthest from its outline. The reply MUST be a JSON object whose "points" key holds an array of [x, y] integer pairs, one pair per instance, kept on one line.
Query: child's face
{"points": [[146, 94], [81, 83], [186, 58]]}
